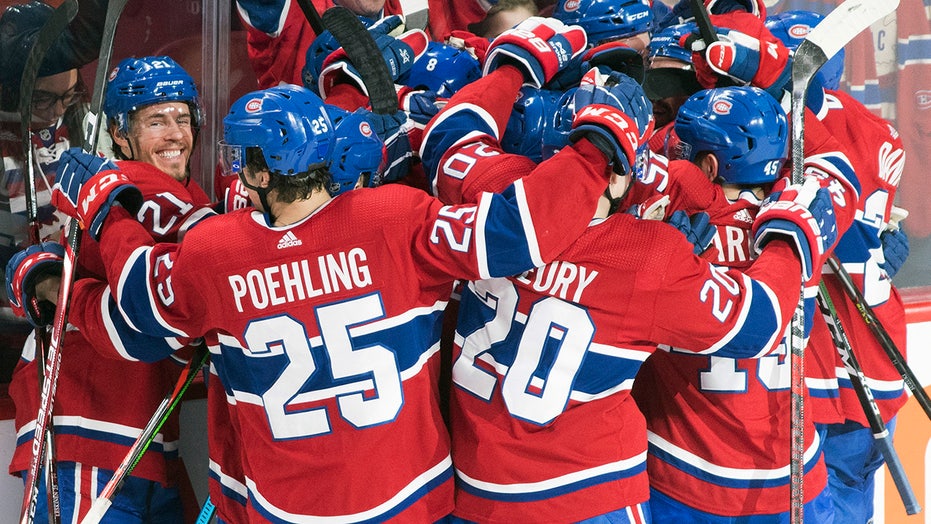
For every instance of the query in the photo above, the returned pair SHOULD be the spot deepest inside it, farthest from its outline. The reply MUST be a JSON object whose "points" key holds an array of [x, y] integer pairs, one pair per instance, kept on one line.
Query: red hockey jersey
{"points": [[95, 420], [327, 330]]}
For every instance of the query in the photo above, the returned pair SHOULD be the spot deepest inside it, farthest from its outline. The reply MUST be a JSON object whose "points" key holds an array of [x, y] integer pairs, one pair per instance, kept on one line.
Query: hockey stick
{"points": [[50, 31], [206, 512], [708, 35], [882, 336], [865, 395], [364, 53], [145, 438], [838, 28], [313, 17], [53, 362]]}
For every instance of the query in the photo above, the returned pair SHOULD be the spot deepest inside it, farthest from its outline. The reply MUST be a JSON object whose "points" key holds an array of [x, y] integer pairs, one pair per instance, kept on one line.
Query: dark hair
{"points": [[290, 188]]}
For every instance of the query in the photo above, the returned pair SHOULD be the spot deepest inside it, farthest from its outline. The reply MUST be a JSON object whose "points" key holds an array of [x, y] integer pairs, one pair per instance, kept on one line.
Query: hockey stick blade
{"points": [[51, 30], [92, 132], [837, 29], [364, 53]]}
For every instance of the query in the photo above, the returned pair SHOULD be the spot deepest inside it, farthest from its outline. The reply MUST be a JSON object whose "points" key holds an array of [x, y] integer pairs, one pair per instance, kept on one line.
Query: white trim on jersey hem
{"points": [[555, 482], [227, 481], [875, 384], [728, 472], [416, 484]]}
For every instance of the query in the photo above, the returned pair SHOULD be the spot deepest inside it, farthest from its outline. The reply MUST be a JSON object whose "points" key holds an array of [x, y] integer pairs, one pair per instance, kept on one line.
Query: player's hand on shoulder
{"points": [[801, 214], [538, 46], [87, 186], [697, 229], [39, 266]]}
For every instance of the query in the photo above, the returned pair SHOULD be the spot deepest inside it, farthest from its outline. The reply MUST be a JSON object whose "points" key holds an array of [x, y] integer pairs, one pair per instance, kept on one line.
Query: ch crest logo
{"points": [[253, 105]]}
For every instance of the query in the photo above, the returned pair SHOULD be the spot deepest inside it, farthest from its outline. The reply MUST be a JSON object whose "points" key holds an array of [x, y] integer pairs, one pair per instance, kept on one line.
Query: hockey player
{"points": [[669, 81], [338, 360], [58, 105], [154, 113], [739, 137], [543, 425]]}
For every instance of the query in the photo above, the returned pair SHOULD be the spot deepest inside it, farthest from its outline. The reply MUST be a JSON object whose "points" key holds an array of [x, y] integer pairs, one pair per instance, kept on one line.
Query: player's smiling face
{"points": [[163, 135]]}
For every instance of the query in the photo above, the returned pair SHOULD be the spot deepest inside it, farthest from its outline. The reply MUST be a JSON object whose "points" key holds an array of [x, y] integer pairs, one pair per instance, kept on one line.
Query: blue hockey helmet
{"points": [[539, 124], [289, 124], [605, 20], [792, 27], [138, 82], [443, 69], [297, 133], [356, 150], [743, 127], [665, 43]]}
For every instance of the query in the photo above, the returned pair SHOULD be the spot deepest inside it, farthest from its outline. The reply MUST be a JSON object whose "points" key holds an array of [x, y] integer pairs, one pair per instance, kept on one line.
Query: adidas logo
{"points": [[289, 240], [744, 216]]}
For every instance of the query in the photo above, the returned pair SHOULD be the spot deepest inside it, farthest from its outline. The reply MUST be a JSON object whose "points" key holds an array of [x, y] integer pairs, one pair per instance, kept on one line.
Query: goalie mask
{"points": [[138, 82], [743, 127], [605, 20]]}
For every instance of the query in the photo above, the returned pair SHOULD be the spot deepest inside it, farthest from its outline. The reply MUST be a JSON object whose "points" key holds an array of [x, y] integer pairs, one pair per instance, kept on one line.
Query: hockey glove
{"points": [[399, 53], [752, 56], [802, 215], [895, 250], [23, 271], [476, 46], [393, 130], [610, 111], [539, 47], [322, 47], [697, 229], [87, 186]]}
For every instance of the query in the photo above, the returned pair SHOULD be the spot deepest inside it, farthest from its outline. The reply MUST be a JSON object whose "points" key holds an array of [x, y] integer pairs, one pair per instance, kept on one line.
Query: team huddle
{"points": [[555, 285]]}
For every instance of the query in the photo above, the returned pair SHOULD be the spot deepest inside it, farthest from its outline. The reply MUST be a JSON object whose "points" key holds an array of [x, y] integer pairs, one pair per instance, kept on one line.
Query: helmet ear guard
{"points": [[743, 127]]}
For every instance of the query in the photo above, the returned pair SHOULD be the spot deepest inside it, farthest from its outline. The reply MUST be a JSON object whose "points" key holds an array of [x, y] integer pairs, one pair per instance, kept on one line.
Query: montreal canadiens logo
{"points": [[799, 31], [722, 107], [571, 5], [253, 105], [365, 129], [923, 97], [113, 73]]}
